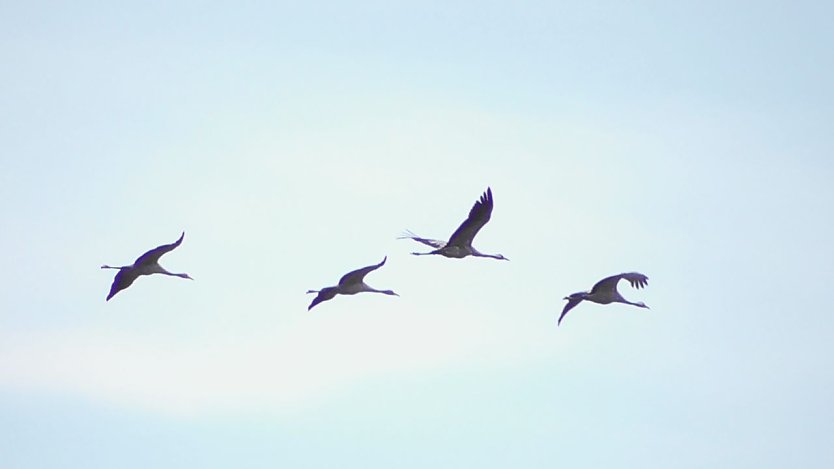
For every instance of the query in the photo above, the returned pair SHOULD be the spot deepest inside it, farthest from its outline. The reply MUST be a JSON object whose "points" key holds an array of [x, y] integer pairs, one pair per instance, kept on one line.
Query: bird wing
{"points": [[435, 243], [324, 295], [636, 279], [154, 254], [358, 275], [124, 278], [571, 303], [478, 217]]}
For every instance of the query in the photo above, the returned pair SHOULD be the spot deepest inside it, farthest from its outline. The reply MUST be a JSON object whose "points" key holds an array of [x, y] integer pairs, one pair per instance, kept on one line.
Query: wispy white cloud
{"points": [[277, 372]]}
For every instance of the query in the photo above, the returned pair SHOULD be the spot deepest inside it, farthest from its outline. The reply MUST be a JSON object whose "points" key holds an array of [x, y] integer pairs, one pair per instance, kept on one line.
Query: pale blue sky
{"points": [[294, 142]]}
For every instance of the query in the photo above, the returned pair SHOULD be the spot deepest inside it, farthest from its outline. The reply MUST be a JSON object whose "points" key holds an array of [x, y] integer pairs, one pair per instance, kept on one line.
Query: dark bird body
{"points": [[605, 292], [146, 264], [460, 243], [350, 284]]}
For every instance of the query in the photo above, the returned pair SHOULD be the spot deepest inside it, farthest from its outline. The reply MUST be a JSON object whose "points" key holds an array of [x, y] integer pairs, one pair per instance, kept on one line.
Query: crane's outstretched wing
{"points": [[435, 243], [636, 279], [478, 217], [358, 275], [154, 254], [571, 303], [124, 278], [323, 295]]}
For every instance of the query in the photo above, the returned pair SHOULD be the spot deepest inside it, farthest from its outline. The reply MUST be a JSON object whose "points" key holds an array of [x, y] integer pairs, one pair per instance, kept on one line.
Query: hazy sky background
{"points": [[690, 141]]}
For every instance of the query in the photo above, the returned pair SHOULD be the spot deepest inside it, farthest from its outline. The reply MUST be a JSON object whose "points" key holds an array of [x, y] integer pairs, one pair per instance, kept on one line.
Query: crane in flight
{"points": [[350, 284], [460, 243], [605, 292], [146, 264]]}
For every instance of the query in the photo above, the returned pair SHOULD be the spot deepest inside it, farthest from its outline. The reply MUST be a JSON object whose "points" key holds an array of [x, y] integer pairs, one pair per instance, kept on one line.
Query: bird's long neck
{"points": [[117, 268], [639, 304], [173, 274], [494, 256], [386, 292]]}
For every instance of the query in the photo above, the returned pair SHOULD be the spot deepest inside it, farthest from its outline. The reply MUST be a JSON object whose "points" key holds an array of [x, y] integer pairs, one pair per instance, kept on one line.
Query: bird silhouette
{"points": [[146, 264], [350, 284], [605, 292], [460, 243]]}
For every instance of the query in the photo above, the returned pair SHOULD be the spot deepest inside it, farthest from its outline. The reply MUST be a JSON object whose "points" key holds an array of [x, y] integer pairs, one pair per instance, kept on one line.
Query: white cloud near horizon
{"points": [[282, 371]]}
